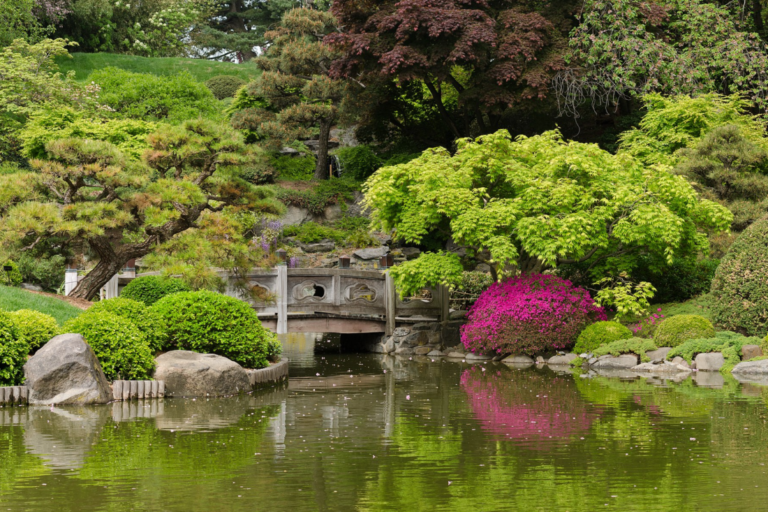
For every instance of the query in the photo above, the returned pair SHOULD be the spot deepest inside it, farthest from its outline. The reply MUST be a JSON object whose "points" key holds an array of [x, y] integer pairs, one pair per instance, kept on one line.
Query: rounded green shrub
{"points": [[224, 86], [139, 315], [676, 330], [12, 276], [150, 289], [599, 334], [358, 162], [35, 327], [740, 286], [121, 347], [13, 352], [209, 322]]}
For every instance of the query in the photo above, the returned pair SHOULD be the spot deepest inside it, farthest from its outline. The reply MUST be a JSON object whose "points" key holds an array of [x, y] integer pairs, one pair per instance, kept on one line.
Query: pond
{"points": [[374, 432]]}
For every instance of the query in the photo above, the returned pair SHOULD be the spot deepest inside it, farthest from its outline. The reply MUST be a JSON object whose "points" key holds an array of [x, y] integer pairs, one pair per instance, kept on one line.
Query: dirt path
{"points": [[78, 303]]}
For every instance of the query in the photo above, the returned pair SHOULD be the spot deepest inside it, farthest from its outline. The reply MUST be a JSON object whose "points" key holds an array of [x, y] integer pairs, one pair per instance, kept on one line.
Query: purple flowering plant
{"points": [[529, 315], [646, 327]]}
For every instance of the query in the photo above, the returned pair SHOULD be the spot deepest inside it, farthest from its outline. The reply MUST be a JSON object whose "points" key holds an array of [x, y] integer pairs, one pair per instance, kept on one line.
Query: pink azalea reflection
{"points": [[527, 406]]}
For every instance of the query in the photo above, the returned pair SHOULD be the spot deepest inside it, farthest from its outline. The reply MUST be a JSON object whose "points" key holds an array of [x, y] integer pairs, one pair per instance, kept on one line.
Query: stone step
{"points": [[13, 395], [137, 389]]}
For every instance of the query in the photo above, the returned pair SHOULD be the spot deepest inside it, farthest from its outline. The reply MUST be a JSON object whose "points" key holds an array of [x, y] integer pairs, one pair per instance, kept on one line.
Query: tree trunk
{"points": [[97, 278], [322, 170]]}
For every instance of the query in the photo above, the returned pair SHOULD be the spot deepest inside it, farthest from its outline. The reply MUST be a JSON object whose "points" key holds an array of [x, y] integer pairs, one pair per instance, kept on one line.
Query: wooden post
{"points": [[445, 303], [282, 299], [391, 304]]}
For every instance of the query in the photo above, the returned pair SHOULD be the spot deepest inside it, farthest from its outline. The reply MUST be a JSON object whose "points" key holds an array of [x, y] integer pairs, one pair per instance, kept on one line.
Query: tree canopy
{"points": [[537, 203]]}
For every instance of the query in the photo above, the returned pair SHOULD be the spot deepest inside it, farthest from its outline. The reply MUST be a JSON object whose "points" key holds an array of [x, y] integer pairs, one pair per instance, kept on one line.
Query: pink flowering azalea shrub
{"points": [[529, 315], [647, 326]]}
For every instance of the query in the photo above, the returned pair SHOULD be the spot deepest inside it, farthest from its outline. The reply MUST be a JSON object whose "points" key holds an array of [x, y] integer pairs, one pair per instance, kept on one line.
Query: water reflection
{"points": [[375, 432]]}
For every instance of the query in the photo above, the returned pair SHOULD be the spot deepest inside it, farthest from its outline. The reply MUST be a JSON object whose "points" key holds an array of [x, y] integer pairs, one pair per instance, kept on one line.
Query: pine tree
{"points": [[296, 96]]}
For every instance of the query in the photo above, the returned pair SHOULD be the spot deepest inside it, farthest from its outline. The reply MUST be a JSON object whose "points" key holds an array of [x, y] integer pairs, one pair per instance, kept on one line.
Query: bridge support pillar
{"points": [[391, 305], [282, 299]]}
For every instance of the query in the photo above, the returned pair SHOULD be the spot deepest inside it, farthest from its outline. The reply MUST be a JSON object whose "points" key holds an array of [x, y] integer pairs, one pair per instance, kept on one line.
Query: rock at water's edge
{"points": [[709, 362], [189, 374], [752, 368], [562, 360], [750, 351], [609, 362], [66, 372]]}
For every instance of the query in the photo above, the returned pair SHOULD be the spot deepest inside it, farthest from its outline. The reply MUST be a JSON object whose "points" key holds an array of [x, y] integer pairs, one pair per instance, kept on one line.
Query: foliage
{"points": [[678, 122], [259, 175], [646, 327], [730, 168], [683, 279], [477, 61], [740, 286], [138, 314], [30, 81], [11, 277], [598, 334], [293, 167], [274, 349], [34, 327], [630, 300], [473, 284], [150, 289], [623, 49], [359, 162], [725, 342], [13, 352], [83, 64], [89, 192], [19, 22], [528, 315], [676, 330], [46, 271], [541, 202], [428, 270], [149, 97], [49, 125], [14, 299], [321, 196], [637, 346], [301, 96], [224, 86], [209, 322], [311, 232], [157, 28], [122, 349]]}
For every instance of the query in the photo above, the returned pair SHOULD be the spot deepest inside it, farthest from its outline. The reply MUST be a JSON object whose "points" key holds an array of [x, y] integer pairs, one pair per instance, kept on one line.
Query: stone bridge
{"points": [[339, 301]]}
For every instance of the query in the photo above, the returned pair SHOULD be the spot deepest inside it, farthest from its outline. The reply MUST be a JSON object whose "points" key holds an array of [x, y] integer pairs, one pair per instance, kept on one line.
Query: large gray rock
{"points": [[66, 372], [372, 253], [295, 215], [517, 360], [609, 362], [659, 354], [750, 351], [709, 362], [471, 356], [189, 374], [561, 360], [321, 246], [665, 367], [422, 351], [752, 368]]}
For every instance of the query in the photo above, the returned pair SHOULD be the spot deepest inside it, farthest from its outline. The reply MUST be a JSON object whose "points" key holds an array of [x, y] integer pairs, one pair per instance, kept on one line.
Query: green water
{"points": [[373, 432]]}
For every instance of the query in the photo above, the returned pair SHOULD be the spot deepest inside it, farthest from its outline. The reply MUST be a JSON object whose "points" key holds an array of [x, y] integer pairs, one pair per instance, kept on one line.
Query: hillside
{"points": [[60, 308], [84, 63]]}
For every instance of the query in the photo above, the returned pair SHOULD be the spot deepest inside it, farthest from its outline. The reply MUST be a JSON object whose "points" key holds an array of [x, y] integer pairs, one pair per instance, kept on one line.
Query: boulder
{"points": [[665, 367], [422, 351], [477, 357], [189, 374], [682, 362], [389, 346], [426, 326], [750, 351], [709, 362], [540, 360], [562, 360], [321, 246], [435, 353], [455, 355], [483, 267], [609, 362], [372, 253], [410, 252], [66, 372], [295, 215], [459, 314], [517, 360], [416, 339], [752, 368], [659, 354]]}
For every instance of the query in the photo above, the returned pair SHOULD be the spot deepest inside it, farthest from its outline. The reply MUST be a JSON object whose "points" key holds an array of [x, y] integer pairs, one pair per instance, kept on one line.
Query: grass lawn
{"points": [[13, 299], [84, 63]]}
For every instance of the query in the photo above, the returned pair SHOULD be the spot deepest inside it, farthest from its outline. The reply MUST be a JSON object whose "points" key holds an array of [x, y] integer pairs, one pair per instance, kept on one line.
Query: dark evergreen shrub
{"points": [[740, 286], [224, 86]]}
